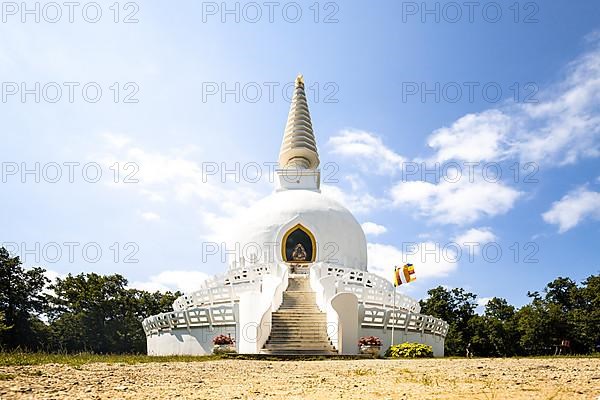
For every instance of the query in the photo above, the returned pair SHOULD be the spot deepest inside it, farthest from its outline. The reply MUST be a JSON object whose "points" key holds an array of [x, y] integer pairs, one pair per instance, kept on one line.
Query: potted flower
{"points": [[370, 345], [223, 344]]}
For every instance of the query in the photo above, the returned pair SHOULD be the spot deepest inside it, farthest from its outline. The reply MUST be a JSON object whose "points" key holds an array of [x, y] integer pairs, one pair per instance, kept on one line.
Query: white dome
{"points": [[339, 237]]}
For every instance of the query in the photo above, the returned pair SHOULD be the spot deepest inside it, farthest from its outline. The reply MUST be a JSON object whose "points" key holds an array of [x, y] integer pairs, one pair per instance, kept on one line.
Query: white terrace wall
{"points": [[192, 341], [358, 303], [190, 332], [238, 303], [400, 336]]}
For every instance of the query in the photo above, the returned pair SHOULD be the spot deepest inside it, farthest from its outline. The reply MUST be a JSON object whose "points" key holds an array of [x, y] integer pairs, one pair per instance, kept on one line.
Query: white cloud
{"points": [[573, 208], [430, 259], [153, 196], [459, 203], [115, 140], [356, 202], [150, 216], [367, 148], [371, 228], [52, 275], [184, 281], [173, 175], [480, 236], [481, 303], [561, 128], [474, 137], [571, 119]]}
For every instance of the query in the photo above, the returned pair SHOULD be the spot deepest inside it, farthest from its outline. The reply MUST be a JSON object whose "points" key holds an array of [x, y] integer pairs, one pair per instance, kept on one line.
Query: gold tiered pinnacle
{"points": [[299, 148]]}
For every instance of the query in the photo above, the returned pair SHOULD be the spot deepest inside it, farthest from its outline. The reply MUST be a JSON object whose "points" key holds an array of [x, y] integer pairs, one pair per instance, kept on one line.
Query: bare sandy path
{"points": [[561, 378]]}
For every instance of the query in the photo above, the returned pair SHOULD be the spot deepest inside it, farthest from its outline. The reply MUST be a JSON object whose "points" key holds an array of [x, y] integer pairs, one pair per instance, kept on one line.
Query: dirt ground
{"points": [[547, 378]]}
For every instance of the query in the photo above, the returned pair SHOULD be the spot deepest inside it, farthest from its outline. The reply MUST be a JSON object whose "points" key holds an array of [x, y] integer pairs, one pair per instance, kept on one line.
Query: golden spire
{"points": [[299, 148]]}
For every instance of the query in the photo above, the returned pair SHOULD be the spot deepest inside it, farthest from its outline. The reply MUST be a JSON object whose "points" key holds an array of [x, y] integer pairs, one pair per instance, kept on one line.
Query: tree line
{"points": [[100, 314], [564, 314], [85, 312]]}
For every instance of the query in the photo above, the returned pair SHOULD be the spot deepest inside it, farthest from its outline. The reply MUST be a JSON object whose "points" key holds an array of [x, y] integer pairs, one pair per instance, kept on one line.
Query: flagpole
{"points": [[393, 311]]}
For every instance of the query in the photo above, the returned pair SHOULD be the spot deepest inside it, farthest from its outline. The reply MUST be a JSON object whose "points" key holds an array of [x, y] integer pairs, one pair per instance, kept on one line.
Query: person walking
{"points": [[469, 352]]}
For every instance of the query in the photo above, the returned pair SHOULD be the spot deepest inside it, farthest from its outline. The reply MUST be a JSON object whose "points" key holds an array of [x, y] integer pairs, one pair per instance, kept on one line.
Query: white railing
{"points": [[404, 320], [370, 289], [376, 296], [198, 317], [224, 288], [214, 304], [255, 310]]}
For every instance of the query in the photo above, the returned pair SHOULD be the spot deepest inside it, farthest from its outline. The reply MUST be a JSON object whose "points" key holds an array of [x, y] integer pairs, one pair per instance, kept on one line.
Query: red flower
{"points": [[222, 340], [369, 341]]}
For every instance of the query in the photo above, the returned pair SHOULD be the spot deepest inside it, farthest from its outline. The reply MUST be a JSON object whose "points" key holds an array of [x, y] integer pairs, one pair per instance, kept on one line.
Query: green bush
{"points": [[409, 350]]}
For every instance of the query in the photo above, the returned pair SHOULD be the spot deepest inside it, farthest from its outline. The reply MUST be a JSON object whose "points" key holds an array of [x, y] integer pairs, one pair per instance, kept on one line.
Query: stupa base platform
{"points": [[304, 357]]}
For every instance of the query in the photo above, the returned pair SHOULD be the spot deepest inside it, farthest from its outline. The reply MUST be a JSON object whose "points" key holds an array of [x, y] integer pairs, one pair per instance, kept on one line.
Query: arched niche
{"points": [[298, 245]]}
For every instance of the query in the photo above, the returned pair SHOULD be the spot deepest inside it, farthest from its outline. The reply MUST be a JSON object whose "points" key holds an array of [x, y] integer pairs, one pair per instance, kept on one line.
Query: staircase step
{"points": [[299, 339], [299, 334], [298, 326], [303, 333], [307, 313], [302, 307], [298, 345], [299, 352]]}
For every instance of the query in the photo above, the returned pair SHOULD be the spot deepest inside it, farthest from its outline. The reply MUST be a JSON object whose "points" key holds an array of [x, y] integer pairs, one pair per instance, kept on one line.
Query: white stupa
{"points": [[298, 283]]}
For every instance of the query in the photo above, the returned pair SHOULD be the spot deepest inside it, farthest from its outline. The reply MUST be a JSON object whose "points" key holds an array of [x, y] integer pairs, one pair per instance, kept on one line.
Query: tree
{"points": [[3, 326], [562, 292], [499, 309], [100, 314], [584, 319], [21, 302], [456, 307], [590, 294], [494, 333]]}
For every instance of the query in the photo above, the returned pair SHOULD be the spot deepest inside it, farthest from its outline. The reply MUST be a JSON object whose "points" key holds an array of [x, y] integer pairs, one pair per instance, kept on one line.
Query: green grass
{"points": [[549, 357], [363, 372], [19, 358], [6, 377]]}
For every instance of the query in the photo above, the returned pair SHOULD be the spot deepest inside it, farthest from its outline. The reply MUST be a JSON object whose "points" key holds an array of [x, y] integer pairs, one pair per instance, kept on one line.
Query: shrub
{"points": [[369, 341], [222, 340], [409, 350]]}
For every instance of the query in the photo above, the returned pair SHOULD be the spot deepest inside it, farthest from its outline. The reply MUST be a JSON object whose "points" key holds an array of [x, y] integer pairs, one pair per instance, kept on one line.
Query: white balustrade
{"points": [[404, 320], [214, 303], [199, 317], [376, 295], [371, 289], [224, 288]]}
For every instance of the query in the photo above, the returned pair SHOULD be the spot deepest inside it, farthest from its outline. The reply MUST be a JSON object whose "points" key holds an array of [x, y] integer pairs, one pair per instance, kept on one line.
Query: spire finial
{"points": [[299, 147]]}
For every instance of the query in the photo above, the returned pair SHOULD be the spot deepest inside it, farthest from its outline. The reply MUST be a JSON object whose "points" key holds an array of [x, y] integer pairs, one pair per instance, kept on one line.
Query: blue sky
{"points": [[367, 124]]}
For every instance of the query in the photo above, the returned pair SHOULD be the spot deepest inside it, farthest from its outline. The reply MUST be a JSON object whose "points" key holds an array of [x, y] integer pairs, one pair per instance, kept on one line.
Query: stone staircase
{"points": [[298, 327]]}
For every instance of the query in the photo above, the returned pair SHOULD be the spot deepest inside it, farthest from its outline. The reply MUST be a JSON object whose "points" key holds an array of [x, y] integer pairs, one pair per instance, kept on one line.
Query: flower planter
{"points": [[223, 348], [372, 350]]}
